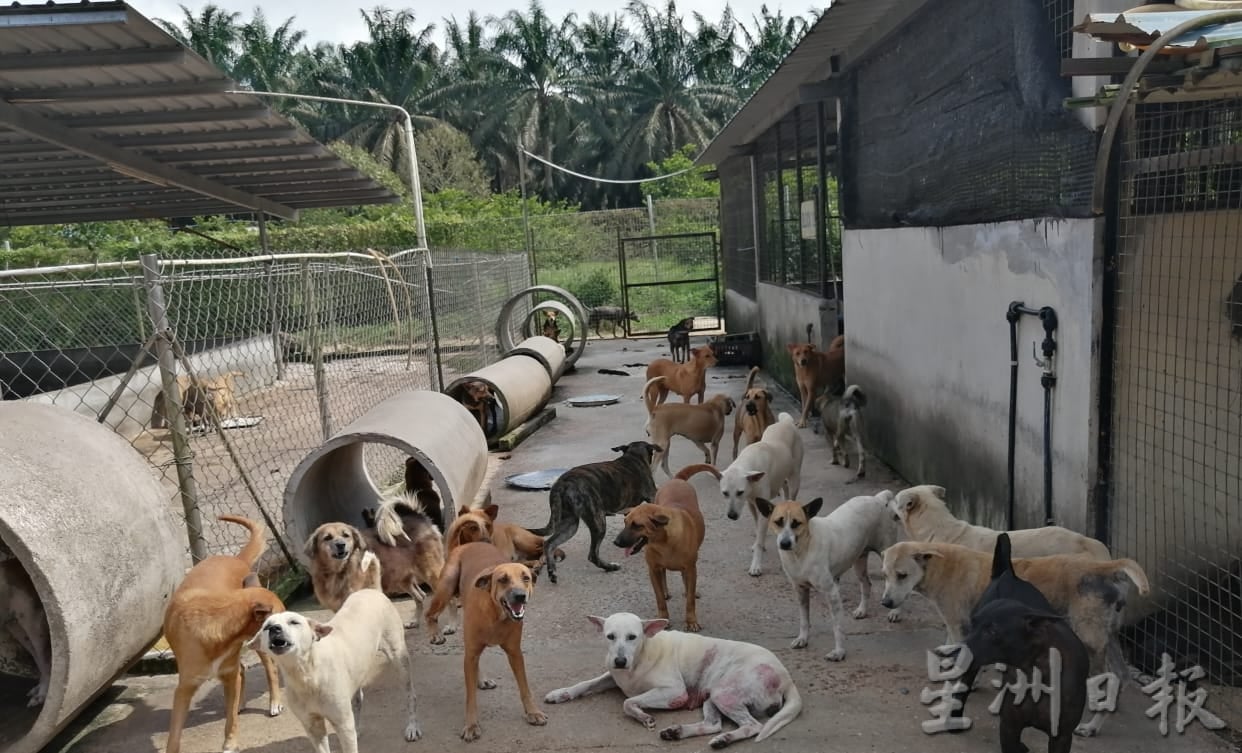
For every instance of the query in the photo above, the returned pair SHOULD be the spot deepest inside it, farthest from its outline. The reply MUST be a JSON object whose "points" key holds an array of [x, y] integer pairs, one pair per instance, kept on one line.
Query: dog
{"points": [[22, 612], [926, 517], [514, 542], [419, 484], [477, 397], [1022, 639], [551, 328], [771, 466], [687, 379], [198, 398], [590, 492], [217, 607], [670, 530], [494, 594], [614, 315], [815, 552], [679, 339], [408, 549], [701, 424], [816, 371], [668, 669], [842, 418], [756, 414], [327, 665]]}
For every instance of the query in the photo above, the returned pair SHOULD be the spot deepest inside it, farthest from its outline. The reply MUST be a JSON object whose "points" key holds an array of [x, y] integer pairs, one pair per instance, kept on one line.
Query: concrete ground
{"points": [[869, 702]]}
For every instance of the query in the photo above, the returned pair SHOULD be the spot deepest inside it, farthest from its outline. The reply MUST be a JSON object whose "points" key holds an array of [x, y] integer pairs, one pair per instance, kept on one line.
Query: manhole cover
{"points": [[535, 479], [593, 401]]}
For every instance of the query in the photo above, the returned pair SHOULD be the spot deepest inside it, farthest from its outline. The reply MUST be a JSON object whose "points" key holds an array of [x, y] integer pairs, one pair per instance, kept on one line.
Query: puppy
{"points": [[701, 424], [755, 415], [670, 531], [771, 466], [816, 552], [327, 665], [514, 542], [815, 371], [926, 517], [495, 593], [614, 315], [687, 379], [551, 328], [679, 339], [216, 609], [22, 611], [842, 419], [478, 398], [590, 492], [408, 549], [659, 669]]}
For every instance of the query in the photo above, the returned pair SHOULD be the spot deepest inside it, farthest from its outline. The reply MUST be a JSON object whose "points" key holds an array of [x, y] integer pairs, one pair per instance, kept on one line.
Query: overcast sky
{"points": [[340, 20]]}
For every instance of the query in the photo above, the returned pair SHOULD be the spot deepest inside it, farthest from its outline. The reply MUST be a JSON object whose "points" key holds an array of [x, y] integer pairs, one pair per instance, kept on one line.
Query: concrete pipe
{"points": [[577, 341], [521, 385], [546, 351], [333, 482], [567, 322], [84, 515]]}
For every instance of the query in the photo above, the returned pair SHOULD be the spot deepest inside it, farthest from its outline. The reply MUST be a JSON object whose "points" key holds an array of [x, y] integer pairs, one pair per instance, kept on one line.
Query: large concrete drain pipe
{"points": [[333, 482], [520, 383], [84, 515], [546, 351], [577, 340]]}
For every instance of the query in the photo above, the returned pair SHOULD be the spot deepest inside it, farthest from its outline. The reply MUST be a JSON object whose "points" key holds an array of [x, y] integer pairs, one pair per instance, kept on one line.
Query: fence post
{"points": [[478, 313], [312, 319], [655, 252], [435, 367], [278, 353], [157, 309]]}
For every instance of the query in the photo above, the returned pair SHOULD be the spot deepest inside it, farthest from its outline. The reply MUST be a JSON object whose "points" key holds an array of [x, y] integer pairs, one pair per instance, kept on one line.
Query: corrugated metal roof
{"points": [[1141, 29], [105, 117], [846, 32]]}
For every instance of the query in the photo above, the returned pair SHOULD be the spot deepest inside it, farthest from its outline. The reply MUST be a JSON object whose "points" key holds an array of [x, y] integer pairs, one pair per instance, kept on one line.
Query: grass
{"points": [[658, 308]]}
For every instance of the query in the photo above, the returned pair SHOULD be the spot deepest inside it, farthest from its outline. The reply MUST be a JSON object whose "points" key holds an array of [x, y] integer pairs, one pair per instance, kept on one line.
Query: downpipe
{"points": [[1047, 380]]}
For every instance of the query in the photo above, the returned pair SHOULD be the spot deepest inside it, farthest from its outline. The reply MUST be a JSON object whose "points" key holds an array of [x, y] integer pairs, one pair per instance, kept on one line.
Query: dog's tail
{"points": [[648, 398], [372, 574], [692, 470], [854, 394], [1002, 556], [750, 378], [789, 711], [388, 524], [1135, 572], [257, 544]]}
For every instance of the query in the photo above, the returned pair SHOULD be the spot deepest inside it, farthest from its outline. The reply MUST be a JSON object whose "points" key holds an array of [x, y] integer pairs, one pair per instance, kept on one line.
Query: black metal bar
{"points": [[800, 187], [821, 202], [645, 238], [435, 324], [716, 268], [625, 288], [699, 280], [1108, 348]]}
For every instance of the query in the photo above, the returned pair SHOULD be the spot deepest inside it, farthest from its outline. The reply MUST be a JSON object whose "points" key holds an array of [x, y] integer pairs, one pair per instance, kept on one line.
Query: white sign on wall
{"points": [[808, 220]]}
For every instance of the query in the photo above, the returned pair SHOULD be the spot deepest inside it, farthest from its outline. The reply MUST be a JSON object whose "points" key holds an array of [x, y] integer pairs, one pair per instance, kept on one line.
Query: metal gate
{"points": [[668, 278], [1173, 464]]}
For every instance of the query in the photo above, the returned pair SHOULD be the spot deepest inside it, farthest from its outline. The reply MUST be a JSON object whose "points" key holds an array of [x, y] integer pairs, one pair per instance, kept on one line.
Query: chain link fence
{"points": [[261, 360]]}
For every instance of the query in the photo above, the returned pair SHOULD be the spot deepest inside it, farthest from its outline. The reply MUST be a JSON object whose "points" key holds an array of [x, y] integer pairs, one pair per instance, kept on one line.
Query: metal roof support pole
{"points": [[278, 354]]}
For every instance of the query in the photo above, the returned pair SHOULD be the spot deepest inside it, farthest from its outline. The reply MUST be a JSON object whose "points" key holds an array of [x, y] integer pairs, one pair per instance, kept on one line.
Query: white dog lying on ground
{"points": [[771, 466], [676, 670], [326, 666]]}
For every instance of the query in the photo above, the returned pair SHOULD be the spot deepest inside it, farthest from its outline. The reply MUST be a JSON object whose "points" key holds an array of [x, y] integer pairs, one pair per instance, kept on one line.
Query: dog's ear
{"points": [[260, 610], [791, 347], [925, 556], [309, 548], [484, 581], [463, 511], [754, 476], [651, 627], [251, 581], [620, 448], [813, 507], [660, 519], [860, 397], [1001, 556], [360, 543], [1036, 620], [255, 643], [320, 629], [492, 511], [598, 622], [767, 395], [938, 491], [765, 507]]}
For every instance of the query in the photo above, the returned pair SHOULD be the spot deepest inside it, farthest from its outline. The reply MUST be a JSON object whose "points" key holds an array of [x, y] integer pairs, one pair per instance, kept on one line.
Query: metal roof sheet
{"points": [[846, 31], [1141, 29], [105, 117]]}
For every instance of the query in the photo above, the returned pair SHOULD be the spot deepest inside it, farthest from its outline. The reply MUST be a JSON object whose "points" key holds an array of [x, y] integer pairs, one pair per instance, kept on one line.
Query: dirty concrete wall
{"points": [[928, 342], [783, 316], [741, 313]]}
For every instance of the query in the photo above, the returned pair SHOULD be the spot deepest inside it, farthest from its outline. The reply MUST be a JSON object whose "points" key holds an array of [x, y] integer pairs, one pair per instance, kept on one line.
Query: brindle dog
{"points": [[595, 490]]}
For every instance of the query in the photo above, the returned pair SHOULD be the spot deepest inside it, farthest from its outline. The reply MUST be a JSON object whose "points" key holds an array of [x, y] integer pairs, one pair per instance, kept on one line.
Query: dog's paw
{"points": [[671, 733], [860, 612], [1086, 729], [448, 629], [536, 718], [799, 642], [558, 696], [487, 684], [413, 732], [894, 615], [648, 721], [755, 570], [437, 639], [837, 654], [609, 567], [275, 709], [471, 733], [693, 627]]}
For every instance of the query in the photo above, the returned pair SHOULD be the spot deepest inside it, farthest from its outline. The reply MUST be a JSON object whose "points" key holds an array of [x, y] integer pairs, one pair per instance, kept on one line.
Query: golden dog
{"points": [[816, 370], [513, 541], [198, 397], [216, 609], [495, 593], [670, 531], [755, 415], [700, 424], [687, 379]]}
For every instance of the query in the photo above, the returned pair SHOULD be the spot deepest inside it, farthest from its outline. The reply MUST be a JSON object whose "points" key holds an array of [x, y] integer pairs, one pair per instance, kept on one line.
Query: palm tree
{"points": [[773, 38], [213, 33], [269, 57]]}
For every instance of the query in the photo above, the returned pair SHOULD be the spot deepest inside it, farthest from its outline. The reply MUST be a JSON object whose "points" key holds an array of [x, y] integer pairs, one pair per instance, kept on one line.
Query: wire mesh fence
{"points": [[261, 360]]}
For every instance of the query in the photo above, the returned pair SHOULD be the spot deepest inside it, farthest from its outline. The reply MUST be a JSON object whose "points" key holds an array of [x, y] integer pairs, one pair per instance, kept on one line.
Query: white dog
{"points": [[676, 670], [816, 552], [326, 666], [771, 466]]}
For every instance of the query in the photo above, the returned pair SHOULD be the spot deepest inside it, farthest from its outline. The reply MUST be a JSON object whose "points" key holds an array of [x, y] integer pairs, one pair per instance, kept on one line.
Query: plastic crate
{"points": [[740, 349]]}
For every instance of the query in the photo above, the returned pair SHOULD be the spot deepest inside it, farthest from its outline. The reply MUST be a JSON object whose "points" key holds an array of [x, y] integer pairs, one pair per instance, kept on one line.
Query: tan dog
{"points": [[478, 398], [755, 415], [670, 531], [495, 593], [921, 509], [701, 424], [198, 397], [816, 370], [687, 379], [216, 609], [515, 542], [407, 547]]}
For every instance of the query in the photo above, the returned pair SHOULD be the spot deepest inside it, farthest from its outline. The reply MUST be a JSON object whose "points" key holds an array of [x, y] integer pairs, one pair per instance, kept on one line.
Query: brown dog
{"points": [[755, 414], [670, 531], [513, 541], [551, 328], [407, 549], [418, 482], [218, 607], [495, 593], [478, 399], [701, 424], [685, 379], [198, 397], [816, 371]]}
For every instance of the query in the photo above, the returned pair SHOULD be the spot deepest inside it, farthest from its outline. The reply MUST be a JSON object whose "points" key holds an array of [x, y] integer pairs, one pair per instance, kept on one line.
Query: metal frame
{"points": [[626, 285]]}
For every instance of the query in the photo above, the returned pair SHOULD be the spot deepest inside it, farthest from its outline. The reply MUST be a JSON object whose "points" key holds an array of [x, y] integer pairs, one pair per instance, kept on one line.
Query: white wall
{"points": [[783, 316], [928, 341]]}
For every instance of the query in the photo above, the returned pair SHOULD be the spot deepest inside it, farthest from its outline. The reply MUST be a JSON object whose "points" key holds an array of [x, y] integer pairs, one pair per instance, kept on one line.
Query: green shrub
{"points": [[596, 289]]}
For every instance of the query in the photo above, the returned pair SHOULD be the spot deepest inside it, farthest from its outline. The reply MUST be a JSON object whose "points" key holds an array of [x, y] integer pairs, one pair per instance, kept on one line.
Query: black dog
{"points": [[612, 314], [592, 491], [1009, 632], [679, 339]]}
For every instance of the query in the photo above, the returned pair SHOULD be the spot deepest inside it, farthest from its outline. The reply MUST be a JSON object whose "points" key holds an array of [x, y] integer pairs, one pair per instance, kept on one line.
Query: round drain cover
{"points": [[593, 401], [535, 479]]}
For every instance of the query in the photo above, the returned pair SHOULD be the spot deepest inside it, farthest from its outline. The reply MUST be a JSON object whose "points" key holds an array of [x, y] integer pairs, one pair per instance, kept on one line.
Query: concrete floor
{"points": [[869, 702]]}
